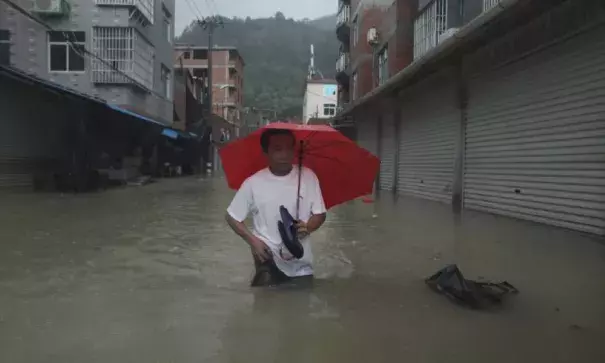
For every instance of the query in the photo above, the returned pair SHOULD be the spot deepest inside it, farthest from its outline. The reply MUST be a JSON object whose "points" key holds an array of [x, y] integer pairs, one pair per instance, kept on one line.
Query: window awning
{"points": [[134, 114], [21, 76], [173, 134]]}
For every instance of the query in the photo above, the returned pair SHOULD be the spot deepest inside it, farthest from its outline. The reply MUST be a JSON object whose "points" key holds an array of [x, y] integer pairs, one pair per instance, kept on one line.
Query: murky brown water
{"points": [[152, 274]]}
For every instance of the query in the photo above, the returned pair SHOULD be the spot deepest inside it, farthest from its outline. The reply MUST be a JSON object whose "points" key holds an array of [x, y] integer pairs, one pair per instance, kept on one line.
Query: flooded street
{"points": [[152, 274]]}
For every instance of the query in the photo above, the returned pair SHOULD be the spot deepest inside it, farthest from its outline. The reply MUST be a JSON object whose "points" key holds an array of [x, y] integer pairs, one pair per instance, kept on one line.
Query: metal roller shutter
{"points": [[31, 132], [15, 173], [429, 130], [535, 137], [16, 167], [387, 152], [367, 135]]}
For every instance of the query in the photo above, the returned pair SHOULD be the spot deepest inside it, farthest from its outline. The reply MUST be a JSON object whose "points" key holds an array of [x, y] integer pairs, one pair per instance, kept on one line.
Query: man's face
{"points": [[281, 149]]}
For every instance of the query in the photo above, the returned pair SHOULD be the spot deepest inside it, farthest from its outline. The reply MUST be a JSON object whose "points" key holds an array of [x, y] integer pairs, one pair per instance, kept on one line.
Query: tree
{"points": [[279, 16], [276, 53]]}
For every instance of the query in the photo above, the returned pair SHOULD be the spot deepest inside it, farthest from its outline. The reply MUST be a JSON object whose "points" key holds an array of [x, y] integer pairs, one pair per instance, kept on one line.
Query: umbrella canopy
{"points": [[345, 170]]}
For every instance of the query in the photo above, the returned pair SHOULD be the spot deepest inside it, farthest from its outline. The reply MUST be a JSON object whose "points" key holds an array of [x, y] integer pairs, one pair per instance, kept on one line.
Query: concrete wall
{"points": [[471, 9], [29, 50], [227, 71], [315, 100]]}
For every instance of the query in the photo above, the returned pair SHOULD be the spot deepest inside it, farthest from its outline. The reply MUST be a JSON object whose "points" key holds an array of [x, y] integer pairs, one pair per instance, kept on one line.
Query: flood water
{"points": [[152, 274]]}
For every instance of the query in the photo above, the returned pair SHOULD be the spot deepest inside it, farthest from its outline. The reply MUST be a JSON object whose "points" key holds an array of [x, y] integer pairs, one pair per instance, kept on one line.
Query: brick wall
{"points": [[223, 74], [395, 24], [361, 54], [403, 47]]}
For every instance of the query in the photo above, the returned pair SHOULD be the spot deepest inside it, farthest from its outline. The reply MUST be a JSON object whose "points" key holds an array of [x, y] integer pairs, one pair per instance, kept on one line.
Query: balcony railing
{"points": [[489, 4], [57, 8], [429, 26], [343, 62], [344, 15], [126, 56], [145, 7]]}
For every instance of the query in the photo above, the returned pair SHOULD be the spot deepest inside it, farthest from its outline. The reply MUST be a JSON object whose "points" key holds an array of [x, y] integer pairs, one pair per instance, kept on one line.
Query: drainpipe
{"points": [[396, 112], [462, 100]]}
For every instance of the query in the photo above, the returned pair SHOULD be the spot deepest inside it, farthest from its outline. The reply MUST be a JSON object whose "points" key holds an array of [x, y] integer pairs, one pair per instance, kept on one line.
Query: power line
{"points": [[216, 12], [212, 8], [194, 9], [78, 48], [210, 24]]}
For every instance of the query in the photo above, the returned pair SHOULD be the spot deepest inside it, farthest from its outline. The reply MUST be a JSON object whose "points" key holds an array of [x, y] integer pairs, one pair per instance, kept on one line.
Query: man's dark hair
{"points": [[265, 138]]}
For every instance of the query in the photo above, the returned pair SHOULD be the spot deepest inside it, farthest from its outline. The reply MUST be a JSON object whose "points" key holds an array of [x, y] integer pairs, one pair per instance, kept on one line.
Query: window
{"points": [[167, 25], [5, 47], [329, 109], [166, 82], [355, 31], [200, 54], [123, 49], [383, 66], [66, 51], [429, 26], [354, 86], [489, 4], [187, 55]]}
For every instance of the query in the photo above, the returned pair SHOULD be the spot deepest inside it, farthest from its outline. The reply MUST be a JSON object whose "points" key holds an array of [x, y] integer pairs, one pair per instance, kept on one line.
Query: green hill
{"points": [[277, 53]]}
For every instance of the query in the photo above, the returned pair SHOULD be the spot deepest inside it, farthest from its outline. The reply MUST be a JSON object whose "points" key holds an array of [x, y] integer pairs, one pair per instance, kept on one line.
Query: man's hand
{"points": [[260, 250], [306, 228], [302, 228]]}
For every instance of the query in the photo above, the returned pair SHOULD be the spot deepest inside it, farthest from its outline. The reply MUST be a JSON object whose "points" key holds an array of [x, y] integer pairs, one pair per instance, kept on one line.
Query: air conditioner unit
{"points": [[372, 36], [447, 34], [50, 7]]}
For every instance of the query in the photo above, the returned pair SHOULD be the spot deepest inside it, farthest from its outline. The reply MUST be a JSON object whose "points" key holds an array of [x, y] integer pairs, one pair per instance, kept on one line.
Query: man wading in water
{"points": [[261, 195]]}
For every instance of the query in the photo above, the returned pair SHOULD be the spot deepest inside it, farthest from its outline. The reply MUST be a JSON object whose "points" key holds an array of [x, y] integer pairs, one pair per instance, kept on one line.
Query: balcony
{"points": [[51, 8], [342, 67], [228, 101], [127, 57], [429, 26], [343, 30], [490, 4], [145, 8]]}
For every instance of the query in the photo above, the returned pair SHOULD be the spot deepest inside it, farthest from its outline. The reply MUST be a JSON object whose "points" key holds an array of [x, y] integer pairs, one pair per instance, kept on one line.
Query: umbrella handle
{"points": [[300, 162]]}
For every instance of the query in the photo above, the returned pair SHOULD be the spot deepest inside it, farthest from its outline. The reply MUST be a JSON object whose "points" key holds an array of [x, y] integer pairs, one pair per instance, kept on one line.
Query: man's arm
{"points": [[259, 248], [235, 216], [239, 228], [318, 209], [316, 221]]}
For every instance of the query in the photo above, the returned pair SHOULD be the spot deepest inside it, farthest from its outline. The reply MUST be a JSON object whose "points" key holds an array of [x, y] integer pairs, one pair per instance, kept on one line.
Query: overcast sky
{"points": [[297, 9]]}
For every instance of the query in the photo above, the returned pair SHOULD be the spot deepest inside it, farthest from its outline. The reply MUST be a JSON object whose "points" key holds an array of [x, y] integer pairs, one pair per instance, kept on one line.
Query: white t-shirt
{"points": [[262, 194]]}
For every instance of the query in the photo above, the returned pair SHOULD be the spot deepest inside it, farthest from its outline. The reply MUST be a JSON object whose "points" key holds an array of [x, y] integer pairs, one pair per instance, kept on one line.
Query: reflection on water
{"points": [[152, 274]]}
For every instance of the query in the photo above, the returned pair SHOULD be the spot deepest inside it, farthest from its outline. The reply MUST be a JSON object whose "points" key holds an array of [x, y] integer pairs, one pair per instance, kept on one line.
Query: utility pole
{"points": [[210, 24]]}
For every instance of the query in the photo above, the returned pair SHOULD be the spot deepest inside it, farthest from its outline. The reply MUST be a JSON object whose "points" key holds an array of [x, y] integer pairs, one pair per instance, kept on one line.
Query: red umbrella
{"points": [[345, 170]]}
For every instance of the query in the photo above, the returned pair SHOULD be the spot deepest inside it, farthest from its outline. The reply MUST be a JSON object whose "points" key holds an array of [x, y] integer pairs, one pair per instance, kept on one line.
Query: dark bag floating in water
{"points": [[477, 295], [287, 230]]}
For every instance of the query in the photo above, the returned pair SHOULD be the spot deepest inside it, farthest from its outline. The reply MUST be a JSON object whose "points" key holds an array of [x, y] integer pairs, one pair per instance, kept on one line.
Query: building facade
{"points": [[320, 100], [501, 111], [227, 77], [116, 50], [375, 42]]}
